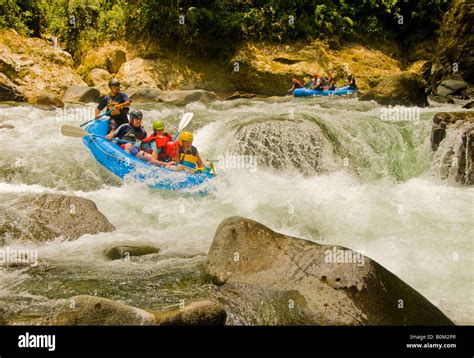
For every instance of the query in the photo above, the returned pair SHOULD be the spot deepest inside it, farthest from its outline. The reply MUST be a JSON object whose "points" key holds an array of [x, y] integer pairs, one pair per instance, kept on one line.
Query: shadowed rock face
{"points": [[81, 94], [8, 90], [454, 57], [259, 266], [40, 217]]}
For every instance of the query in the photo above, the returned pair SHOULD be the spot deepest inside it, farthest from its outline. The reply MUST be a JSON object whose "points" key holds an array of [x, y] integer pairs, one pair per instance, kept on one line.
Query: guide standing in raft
{"points": [[116, 101]]}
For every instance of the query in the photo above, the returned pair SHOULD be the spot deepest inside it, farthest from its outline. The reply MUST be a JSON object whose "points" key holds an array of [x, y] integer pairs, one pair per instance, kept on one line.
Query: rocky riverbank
{"points": [[274, 279], [302, 282], [33, 69]]}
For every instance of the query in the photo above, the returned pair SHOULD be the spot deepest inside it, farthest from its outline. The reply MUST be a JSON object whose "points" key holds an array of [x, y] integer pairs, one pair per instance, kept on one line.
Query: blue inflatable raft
{"points": [[339, 91], [124, 165]]}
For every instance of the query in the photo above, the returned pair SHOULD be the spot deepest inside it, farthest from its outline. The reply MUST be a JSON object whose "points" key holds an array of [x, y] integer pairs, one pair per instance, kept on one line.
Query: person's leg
{"points": [[112, 125], [127, 147], [143, 156]]}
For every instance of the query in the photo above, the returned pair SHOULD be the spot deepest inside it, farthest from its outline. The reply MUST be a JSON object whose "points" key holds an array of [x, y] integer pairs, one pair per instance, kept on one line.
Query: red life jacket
{"points": [[297, 84], [166, 144]]}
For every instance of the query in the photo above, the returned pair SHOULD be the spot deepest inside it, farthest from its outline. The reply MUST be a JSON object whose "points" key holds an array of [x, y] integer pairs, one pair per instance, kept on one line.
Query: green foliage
{"points": [[213, 25], [20, 15]]}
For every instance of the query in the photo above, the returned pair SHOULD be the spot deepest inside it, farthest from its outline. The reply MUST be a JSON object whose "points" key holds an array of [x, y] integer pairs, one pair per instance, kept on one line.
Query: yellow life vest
{"points": [[188, 159]]}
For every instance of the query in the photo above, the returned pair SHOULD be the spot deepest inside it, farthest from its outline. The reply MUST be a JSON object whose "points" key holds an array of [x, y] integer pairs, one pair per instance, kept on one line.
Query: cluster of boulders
{"points": [[303, 282], [32, 70], [264, 276]]}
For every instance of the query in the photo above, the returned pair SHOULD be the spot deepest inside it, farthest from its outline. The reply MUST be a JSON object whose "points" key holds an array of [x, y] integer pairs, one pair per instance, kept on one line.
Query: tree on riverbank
{"points": [[213, 27]]}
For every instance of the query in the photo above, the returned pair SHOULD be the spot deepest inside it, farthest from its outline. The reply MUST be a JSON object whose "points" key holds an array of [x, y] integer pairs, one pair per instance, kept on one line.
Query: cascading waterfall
{"points": [[370, 189]]}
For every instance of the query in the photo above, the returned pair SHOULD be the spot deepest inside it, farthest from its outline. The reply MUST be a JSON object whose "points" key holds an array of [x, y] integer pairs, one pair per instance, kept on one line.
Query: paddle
{"points": [[103, 114], [76, 132], [183, 123]]}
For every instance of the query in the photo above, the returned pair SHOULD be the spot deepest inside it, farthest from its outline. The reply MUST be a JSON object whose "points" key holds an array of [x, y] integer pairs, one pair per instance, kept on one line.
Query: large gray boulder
{"points": [[187, 96], [47, 101], [404, 89], [180, 97], [144, 94], [107, 57], [91, 310], [201, 313], [282, 143], [98, 311], [309, 283], [41, 217], [451, 87], [99, 79], [124, 252], [82, 94]]}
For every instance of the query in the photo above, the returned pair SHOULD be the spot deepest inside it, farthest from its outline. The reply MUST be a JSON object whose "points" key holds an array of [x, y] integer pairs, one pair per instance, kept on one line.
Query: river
{"points": [[384, 200]]}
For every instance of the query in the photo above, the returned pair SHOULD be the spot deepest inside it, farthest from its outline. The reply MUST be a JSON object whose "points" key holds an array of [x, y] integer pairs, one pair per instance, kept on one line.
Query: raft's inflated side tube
{"points": [[122, 164], [339, 91]]}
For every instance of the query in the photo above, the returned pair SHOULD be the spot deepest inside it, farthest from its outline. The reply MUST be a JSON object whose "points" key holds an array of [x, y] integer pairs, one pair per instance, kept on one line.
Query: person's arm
{"points": [[154, 160], [176, 158], [114, 134], [200, 163], [126, 102], [100, 107], [123, 105], [291, 89]]}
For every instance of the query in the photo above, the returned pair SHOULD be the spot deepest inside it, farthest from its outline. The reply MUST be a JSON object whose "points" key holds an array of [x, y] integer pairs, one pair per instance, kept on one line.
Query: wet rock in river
{"points": [[125, 251], [41, 217], [92, 310], [328, 285], [98, 311]]}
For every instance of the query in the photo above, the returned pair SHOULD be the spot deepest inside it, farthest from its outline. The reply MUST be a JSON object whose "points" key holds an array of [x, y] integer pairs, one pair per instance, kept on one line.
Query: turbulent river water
{"points": [[386, 203]]}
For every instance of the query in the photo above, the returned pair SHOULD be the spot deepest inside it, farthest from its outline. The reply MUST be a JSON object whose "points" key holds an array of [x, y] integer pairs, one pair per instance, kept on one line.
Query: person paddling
{"points": [[308, 80], [132, 132], [318, 84], [160, 146], [351, 82], [188, 154], [116, 101], [330, 83], [294, 85]]}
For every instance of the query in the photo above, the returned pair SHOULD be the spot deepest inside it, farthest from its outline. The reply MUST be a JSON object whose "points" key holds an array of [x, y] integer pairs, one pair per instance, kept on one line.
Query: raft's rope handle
{"points": [[111, 155], [124, 160]]}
